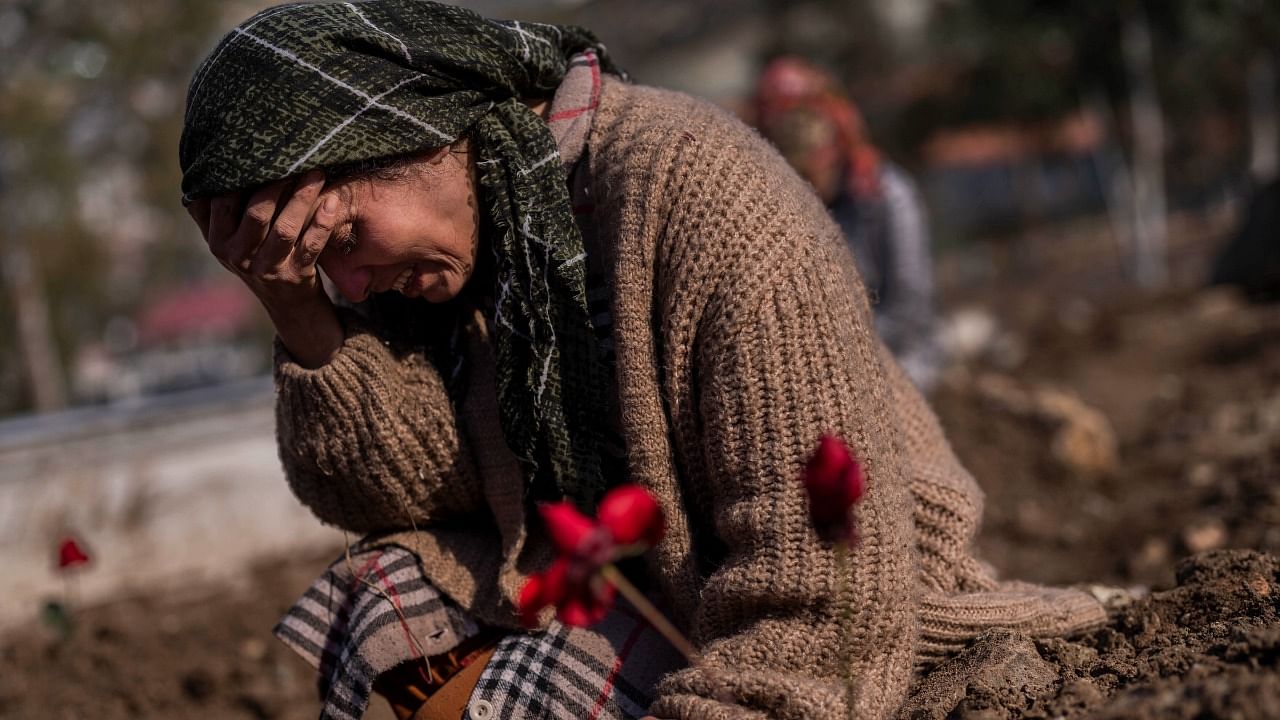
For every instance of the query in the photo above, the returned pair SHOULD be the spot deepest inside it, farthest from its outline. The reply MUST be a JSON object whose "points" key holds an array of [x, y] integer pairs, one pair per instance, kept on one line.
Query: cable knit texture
{"points": [[742, 334]]}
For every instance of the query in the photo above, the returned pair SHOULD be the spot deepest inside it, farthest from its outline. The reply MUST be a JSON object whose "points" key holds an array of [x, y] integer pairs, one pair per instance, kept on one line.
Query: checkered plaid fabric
{"points": [[603, 672], [364, 617]]}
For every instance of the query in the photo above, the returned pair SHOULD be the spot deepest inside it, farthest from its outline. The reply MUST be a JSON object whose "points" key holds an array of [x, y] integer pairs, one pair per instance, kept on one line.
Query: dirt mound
{"points": [[1189, 386], [160, 656], [1208, 647]]}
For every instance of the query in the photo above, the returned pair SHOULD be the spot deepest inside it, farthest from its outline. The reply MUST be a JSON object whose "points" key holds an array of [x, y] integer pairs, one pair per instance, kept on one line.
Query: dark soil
{"points": [[1206, 648], [1184, 513], [209, 656], [1190, 385]]}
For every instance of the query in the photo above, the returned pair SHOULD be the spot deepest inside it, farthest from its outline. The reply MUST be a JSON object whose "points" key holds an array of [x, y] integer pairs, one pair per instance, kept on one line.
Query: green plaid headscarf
{"points": [[307, 86]]}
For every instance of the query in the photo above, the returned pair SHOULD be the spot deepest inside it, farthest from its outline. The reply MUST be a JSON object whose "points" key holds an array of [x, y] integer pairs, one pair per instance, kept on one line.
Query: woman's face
{"points": [[415, 233], [810, 144]]}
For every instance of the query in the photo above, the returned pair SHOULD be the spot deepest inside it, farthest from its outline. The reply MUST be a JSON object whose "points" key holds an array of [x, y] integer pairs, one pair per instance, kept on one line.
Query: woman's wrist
{"points": [[312, 334]]}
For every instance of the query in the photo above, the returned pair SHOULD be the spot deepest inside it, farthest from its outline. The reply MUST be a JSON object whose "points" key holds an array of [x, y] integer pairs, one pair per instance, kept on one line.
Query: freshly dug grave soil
{"points": [[203, 653], [1187, 387], [1206, 648], [1184, 465]]}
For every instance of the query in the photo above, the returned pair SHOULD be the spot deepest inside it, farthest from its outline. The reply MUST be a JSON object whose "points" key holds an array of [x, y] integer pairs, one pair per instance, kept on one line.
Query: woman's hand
{"points": [[273, 245]]}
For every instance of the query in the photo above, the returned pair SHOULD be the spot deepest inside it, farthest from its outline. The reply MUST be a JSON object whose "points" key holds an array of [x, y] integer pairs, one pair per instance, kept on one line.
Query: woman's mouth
{"points": [[402, 279]]}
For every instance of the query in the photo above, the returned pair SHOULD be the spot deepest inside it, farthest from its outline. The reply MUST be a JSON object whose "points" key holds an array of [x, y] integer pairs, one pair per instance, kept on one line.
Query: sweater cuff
{"points": [[949, 622], [369, 441], [362, 348], [717, 694]]}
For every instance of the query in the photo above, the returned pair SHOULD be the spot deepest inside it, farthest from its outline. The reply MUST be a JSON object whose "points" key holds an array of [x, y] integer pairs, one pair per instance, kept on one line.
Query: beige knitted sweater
{"points": [[742, 334]]}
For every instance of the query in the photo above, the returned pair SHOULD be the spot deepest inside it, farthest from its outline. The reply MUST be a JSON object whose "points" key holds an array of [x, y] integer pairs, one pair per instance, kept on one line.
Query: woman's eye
{"points": [[346, 244]]}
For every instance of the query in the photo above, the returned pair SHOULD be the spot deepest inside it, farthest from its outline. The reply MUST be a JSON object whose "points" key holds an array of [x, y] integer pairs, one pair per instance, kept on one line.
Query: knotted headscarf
{"points": [[305, 86]]}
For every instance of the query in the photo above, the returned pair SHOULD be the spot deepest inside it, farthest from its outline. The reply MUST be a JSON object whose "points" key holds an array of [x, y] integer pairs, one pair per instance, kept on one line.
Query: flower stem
{"points": [[846, 622], [652, 614]]}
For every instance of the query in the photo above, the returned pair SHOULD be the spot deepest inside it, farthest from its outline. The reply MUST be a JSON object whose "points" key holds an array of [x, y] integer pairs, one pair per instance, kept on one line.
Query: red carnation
{"points": [[632, 515], [834, 482], [578, 600], [629, 522]]}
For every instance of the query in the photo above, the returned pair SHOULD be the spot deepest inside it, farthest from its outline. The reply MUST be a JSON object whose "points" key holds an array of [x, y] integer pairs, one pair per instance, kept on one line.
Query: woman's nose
{"points": [[351, 280]]}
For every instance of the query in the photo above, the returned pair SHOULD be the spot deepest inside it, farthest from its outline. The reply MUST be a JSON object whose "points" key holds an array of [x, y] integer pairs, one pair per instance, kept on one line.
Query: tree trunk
{"points": [[35, 334], [1114, 180], [1150, 262]]}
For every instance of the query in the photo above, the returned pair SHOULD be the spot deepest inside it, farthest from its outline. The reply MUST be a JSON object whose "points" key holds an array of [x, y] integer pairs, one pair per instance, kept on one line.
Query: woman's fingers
{"points": [[259, 213], [199, 212], [287, 228], [273, 240], [317, 234], [224, 218]]}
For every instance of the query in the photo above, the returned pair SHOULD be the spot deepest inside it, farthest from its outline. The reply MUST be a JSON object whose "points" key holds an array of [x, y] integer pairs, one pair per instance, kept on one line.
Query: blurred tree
{"points": [[91, 98], [34, 346], [1168, 65]]}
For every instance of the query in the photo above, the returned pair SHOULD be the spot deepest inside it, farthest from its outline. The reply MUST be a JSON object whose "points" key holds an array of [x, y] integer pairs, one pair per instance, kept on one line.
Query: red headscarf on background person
{"points": [[789, 83]]}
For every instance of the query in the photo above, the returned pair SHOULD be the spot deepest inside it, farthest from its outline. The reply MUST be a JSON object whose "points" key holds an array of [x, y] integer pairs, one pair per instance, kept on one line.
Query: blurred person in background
{"points": [[802, 111], [554, 281]]}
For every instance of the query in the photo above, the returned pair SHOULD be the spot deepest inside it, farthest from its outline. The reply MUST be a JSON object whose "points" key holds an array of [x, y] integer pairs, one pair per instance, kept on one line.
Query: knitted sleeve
{"points": [[370, 442], [789, 354]]}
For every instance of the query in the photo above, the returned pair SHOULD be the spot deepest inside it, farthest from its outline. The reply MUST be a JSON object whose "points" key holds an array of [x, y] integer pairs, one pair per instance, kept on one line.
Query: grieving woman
{"points": [[552, 281], [804, 112]]}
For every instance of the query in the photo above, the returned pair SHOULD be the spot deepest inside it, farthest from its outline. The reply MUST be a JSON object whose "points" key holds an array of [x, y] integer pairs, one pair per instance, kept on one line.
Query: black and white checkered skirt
{"points": [[365, 616]]}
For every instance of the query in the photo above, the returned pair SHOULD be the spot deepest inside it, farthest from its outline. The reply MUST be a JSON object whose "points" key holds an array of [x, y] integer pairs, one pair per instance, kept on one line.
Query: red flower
{"points": [[70, 554], [834, 482], [531, 602], [579, 599], [568, 528], [632, 515], [576, 603], [629, 521]]}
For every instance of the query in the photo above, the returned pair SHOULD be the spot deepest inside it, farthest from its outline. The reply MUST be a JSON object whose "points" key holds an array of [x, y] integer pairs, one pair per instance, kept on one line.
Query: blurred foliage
{"points": [[91, 101], [1036, 59], [1033, 61]]}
